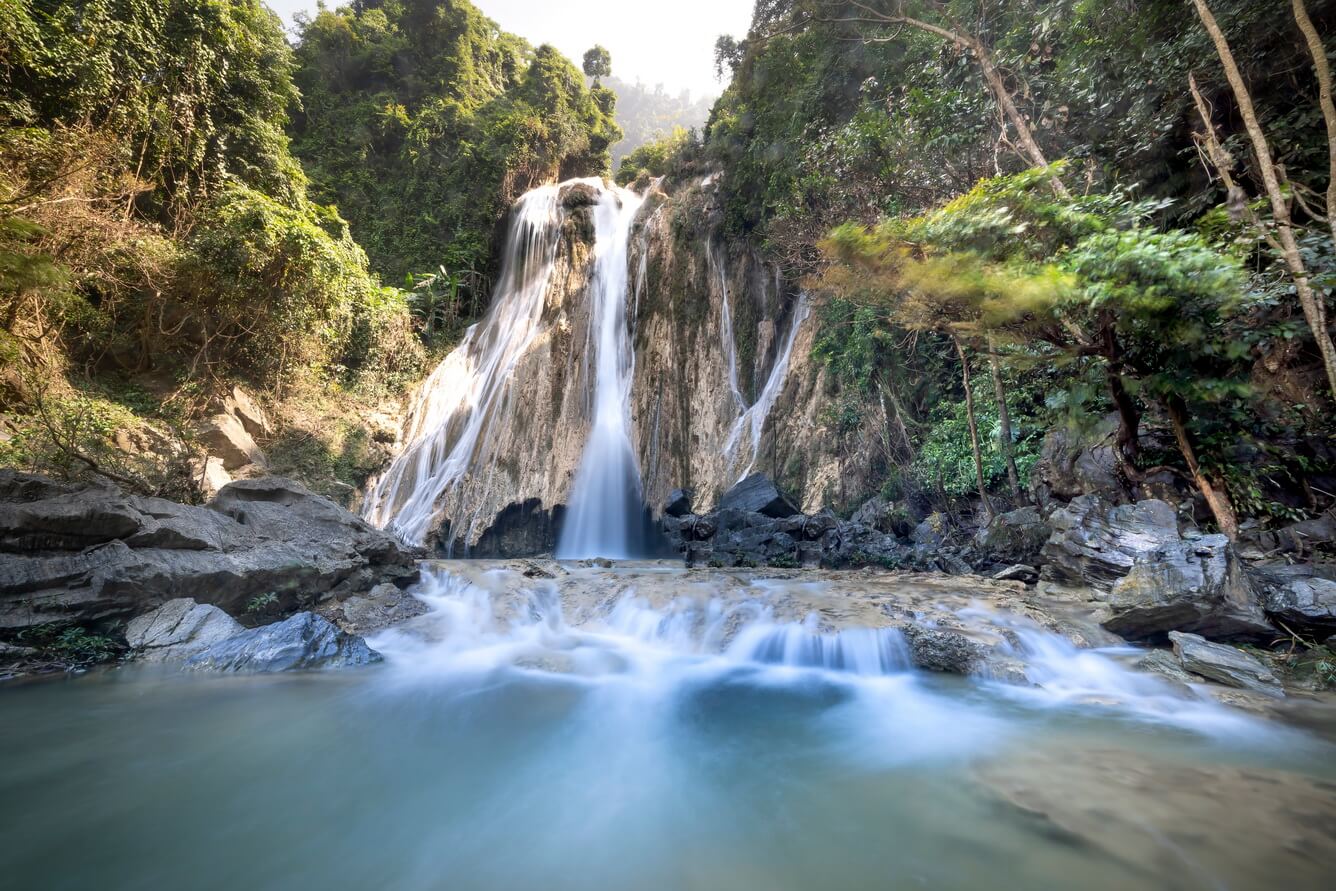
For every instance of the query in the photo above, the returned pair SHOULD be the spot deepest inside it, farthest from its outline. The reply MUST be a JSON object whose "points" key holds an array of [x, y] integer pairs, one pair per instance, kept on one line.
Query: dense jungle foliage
{"points": [[1128, 274], [423, 122], [159, 239]]}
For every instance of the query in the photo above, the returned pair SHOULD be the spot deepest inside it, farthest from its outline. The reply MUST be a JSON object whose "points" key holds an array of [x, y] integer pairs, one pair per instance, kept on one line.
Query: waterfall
{"points": [[730, 347], [446, 425], [606, 505], [754, 417]]}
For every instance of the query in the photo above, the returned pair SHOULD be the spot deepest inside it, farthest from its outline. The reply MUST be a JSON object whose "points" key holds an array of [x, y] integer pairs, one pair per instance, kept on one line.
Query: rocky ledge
{"points": [[92, 557]]}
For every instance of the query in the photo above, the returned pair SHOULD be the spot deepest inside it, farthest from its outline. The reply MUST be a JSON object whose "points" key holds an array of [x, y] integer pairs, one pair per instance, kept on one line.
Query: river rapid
{"points": [[658, 728]]}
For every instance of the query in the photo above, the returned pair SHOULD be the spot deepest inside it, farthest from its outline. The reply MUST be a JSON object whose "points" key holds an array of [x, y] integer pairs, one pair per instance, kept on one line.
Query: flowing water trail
{"points": [[753, 419], [606, 505], [445, 430]]}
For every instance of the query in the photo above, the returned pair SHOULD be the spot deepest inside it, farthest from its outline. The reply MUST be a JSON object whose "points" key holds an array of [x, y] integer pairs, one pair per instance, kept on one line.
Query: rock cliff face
{"points": [[721, 348]]}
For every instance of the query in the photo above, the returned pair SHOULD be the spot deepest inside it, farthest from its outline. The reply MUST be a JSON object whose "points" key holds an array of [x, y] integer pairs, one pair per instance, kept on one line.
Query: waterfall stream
{"points": [[604, 519]]}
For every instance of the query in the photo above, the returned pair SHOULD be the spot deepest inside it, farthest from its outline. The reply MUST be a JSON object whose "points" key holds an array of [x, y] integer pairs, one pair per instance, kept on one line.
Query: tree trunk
{"points": [[1323, 71], [1213, 491], [1315, 311], [974, 427], [1004, 423]]}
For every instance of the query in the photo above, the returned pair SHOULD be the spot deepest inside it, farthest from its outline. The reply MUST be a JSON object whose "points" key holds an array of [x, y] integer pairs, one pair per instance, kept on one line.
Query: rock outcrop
{"points": [[178, 630], [1017, 536], [1224, 664], [303, 641], [1304, 604], [91, 554]]}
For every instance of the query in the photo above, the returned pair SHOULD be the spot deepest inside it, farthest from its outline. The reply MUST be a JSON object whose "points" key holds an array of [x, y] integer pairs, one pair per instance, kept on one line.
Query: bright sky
{"points": [[671, 43]]}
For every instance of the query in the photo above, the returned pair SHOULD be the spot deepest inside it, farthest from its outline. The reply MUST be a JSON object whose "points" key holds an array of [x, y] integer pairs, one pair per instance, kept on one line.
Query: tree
{"points": [[1088, 281], [597, 63], [1272, 175]]}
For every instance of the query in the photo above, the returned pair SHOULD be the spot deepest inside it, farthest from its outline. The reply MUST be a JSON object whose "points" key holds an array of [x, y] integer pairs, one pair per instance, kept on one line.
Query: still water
{"points": [[637, 753]]}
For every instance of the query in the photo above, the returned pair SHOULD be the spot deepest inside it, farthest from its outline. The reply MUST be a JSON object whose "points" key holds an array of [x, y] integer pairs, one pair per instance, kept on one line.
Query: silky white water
{"points": [[604, 518], [445, 433], [752, 420], [591, 735]]}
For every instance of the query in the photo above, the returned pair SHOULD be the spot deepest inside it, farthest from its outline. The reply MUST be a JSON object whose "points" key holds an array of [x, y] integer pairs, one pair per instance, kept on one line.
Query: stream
{"points": [[514, 738]]}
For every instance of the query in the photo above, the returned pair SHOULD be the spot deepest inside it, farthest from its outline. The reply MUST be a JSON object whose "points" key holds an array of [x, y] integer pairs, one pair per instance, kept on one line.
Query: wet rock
{"points": [[1096, 543], [1307, 605], [1017, 572], [178, 630], [579, 195], [385, 605], [1224, 664], [757, 494], [1198, 586], [1166, 665], [1017, 536], [93, 554], [938, 649], [303, 641], [228, 440], [678, 503]]}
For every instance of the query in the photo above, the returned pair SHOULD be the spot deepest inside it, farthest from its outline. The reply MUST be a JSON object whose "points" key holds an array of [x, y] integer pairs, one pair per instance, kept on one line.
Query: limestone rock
{"points": [[93, 554], [1017, 536], [1303, 604], [757, 494], [382, 607], [178, 630], [245, 409], [1224, 664], [1196, 586], [303, 641], [228, 440], [678, 503], [1096, 543]]}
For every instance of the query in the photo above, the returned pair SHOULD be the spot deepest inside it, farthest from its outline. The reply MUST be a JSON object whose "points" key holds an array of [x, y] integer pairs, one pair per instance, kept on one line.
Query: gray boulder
{"points": [[1096, 543], [1198, 586], [303, 641], [90, 554], [1073, 463], [179, 629], [1224, 664], [1303, 604], [228, 439], [757, 494], [932, 532], [940, 649], [1017, 536], [386, 605], [882, 515], [678, 503], [1017, 572]]}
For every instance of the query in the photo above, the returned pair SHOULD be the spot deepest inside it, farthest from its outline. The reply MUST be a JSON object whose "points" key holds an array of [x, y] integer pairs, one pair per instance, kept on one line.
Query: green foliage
{"points": [[597, 63], [71, 645], [261, 602], [653, 158], [423, 121], [946, 462]]}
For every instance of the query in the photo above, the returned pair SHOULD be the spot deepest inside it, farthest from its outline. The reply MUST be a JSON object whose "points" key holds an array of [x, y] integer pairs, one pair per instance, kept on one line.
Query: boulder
{"points": [[932, 532], [178, 630], [242, 406], [1198, 586], [303, 641], [881, 515], [1074, 462], [1096, 543], [90, 554], [678, 503], [578, 195], [1224, 664], [1019, 572], [757, 494], [228, 440], [386, 605], [1017, 536], [939, 649], [1303, 604]]}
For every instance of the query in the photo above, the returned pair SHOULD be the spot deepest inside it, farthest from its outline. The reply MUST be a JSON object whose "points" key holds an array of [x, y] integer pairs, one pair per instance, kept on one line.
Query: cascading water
{"points": [[605, 518], [753, 419], [446, 427], [729, 345]]}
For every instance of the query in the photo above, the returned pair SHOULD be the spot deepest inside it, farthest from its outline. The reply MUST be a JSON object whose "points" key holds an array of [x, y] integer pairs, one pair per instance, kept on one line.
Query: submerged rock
{"points": [[381, 607], [178, 630], [1224, 664], [303, 641]]}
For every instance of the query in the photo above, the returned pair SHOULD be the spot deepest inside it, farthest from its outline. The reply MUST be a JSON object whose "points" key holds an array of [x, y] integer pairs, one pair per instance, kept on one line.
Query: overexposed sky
{"points": [[671, 43]]}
